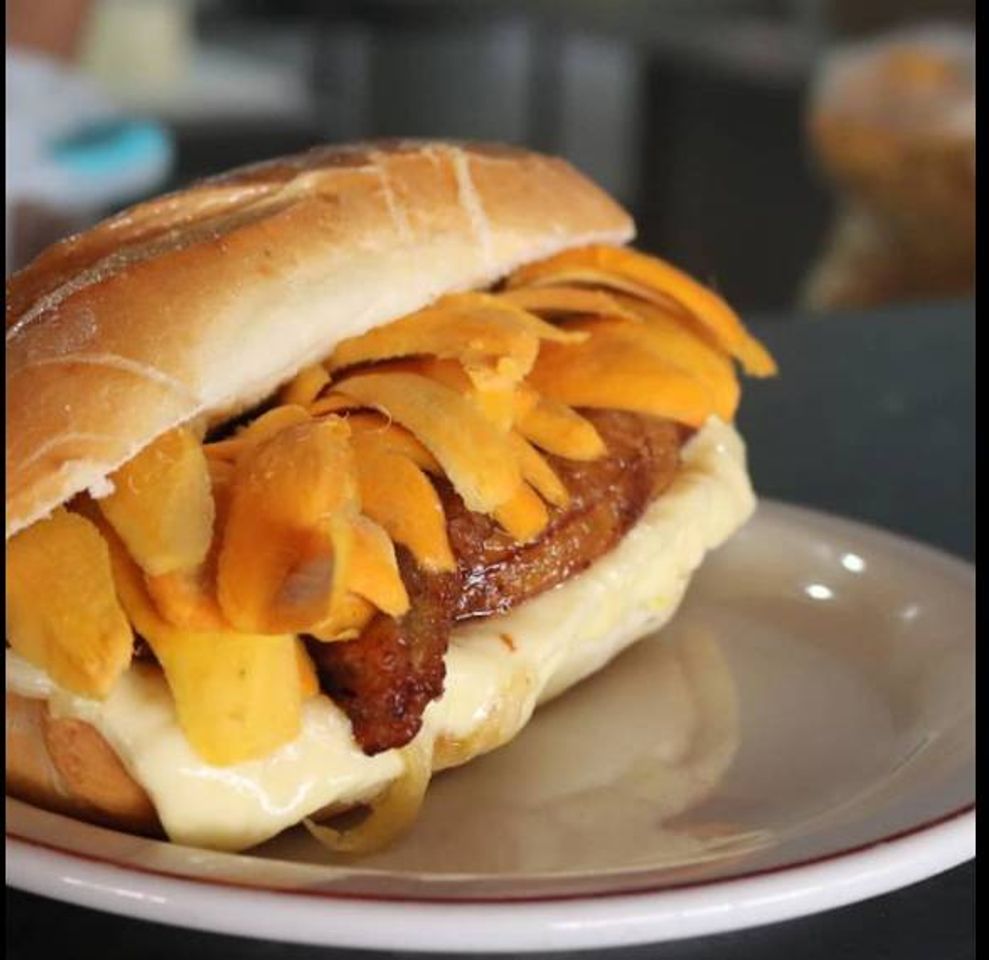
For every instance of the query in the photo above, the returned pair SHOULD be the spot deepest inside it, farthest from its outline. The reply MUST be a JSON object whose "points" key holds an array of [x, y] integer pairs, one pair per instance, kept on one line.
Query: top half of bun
{"points": [[203, 301]]}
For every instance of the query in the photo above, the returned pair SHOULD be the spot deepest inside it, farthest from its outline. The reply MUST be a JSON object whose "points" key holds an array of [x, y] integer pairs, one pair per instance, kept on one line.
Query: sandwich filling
{"points": [[385, 677], [498, 669], [440, 469]]}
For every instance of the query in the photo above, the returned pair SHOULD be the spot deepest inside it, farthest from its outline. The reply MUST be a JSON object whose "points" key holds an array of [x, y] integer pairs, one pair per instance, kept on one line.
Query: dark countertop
{"points": [[873, 417]]}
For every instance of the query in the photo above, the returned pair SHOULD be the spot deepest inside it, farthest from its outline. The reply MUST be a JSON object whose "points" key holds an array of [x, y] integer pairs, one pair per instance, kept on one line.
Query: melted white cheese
{"points": [[508, 664]]}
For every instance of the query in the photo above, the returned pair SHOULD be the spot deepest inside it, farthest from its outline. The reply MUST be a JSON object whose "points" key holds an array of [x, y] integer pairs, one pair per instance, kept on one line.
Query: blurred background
{"points": [[797, 152]]}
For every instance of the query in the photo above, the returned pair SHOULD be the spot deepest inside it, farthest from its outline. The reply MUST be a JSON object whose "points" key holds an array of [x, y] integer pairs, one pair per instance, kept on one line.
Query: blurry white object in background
{"points": [[137, 47], [71, 154], [149, 56]]}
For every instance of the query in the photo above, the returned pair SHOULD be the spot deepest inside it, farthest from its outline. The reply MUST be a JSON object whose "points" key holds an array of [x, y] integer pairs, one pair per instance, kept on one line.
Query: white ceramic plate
{"points": [[801, 737]]}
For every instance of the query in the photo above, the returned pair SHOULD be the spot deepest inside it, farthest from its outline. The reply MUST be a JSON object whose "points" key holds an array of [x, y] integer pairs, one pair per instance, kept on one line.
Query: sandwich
{"points": [[323, 474]]}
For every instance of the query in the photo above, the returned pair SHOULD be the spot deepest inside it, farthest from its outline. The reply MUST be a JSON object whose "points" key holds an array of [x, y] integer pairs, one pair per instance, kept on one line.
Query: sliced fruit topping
{"points": [[62, 608], [161, 505], [627, 270], [286, 540]]}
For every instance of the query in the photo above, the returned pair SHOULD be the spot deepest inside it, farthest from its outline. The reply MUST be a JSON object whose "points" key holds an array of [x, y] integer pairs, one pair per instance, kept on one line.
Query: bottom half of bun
{"points": [[124, 761]]}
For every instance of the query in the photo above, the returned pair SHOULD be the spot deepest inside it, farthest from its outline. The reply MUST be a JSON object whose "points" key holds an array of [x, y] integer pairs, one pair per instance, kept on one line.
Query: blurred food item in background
{"points": [[892, 126], [72, 154]]}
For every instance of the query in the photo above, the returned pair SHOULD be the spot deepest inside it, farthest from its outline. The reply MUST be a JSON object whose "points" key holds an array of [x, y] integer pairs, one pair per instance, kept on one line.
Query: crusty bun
{"points": [[203, 301], [63, 764]]}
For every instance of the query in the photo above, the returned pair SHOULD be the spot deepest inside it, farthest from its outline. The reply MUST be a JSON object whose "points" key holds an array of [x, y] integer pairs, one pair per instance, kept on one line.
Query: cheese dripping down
{"points": [[559, 637]]}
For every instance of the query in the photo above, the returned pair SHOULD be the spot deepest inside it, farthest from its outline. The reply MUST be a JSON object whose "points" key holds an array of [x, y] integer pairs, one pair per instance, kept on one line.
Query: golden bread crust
{"points": [[200, 303], [65, 765]]}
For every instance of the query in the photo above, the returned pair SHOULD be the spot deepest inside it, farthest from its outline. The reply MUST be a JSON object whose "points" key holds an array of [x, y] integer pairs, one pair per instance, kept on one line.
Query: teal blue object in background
{"points": [[113, 148]]}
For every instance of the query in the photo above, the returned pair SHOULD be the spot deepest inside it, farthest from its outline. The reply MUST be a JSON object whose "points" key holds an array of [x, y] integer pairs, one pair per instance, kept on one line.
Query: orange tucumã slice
{"points": [[567, 300], [238, 696], [267, 425], [554, 427], [272, 422], [349, 615], [474, 453], [284, 546], [187, 598], [161, 505], [670, 341], [308, 678], [396, 494], [333, 403], [62, 609], [373, 571], [480, 330], [627, 270], [537, 472], [391, 437], [611, 373], [305, 386], [500, 400], [524, 516]]}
